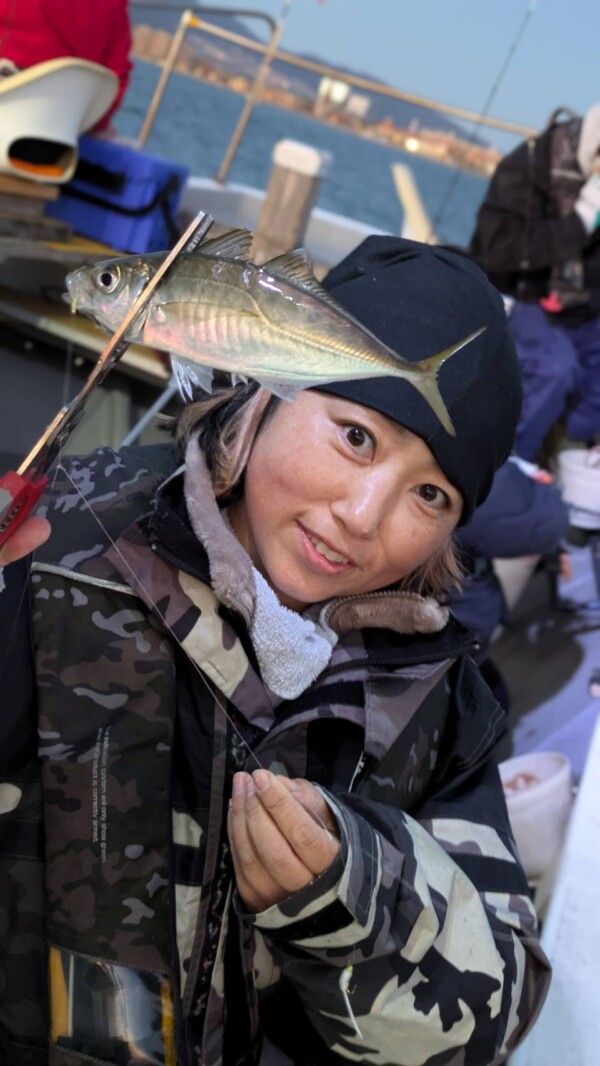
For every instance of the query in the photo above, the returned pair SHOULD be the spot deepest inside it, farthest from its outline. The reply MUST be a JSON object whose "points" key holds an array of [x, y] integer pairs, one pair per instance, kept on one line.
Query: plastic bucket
{"points": [[579, 477], [538, 791]]}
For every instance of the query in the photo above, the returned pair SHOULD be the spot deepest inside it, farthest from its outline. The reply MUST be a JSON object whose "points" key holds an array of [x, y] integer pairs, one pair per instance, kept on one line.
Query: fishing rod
{"points": [[483, 115]]}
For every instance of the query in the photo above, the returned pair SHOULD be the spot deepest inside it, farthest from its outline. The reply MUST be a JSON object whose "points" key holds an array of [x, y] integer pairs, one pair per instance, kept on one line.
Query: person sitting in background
{"points": [[523, 515], [537, 238], [33, 31]]}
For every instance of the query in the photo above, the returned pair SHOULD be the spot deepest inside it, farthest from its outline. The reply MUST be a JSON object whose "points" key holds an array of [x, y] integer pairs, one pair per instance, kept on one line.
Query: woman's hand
{"points": [[282, 835], [25, 539]]}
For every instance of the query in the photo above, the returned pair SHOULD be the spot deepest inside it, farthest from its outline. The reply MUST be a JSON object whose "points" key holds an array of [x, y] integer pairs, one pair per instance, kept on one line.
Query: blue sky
{"points": [[453, 50]]}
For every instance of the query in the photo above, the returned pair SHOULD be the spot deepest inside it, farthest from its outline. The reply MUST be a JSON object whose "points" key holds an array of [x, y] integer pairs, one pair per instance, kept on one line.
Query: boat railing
{"points": [[270, 52]]}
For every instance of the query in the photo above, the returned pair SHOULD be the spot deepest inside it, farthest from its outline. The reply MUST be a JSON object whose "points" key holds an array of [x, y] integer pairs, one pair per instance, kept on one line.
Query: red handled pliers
{"points": [[20, 490]]}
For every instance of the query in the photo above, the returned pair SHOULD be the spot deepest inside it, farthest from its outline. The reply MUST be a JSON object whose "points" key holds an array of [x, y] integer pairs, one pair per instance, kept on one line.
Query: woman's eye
{"points": [[359, 439], [433, 496]]}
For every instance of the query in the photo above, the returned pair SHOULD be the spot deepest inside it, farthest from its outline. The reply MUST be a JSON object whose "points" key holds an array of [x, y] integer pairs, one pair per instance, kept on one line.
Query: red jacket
{"points": [[32, 31]]}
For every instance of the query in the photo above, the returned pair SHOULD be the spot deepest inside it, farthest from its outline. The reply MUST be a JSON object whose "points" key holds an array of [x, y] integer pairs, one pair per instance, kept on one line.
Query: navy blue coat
{"points": [[521, 516]]}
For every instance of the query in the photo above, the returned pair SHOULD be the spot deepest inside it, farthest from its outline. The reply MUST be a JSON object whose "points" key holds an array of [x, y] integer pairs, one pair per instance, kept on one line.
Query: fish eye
{"points": [[108, 278]]}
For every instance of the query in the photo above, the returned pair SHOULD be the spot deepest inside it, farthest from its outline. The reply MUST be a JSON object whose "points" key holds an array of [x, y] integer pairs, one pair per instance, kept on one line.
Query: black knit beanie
{"points": [[420, 299]]}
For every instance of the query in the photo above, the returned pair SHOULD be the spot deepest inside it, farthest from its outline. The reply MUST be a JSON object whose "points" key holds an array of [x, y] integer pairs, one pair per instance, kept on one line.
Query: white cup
{"points": [[538, 791]]}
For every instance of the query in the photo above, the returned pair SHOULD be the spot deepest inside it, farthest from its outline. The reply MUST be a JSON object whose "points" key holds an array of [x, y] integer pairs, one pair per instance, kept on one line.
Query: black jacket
{"points": [[521, 516], [148, 698], [519, 235]]}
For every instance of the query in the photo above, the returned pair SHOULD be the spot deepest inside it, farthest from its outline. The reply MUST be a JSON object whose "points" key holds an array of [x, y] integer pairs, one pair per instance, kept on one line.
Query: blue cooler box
{"points": [[122, 197]]}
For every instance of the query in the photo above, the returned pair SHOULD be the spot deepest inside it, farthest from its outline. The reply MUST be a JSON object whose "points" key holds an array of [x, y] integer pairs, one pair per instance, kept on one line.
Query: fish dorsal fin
{"points": [[235, 244], [296, 267]]}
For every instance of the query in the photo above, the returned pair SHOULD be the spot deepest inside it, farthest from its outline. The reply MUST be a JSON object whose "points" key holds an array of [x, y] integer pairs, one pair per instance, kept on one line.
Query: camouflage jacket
{"points": [[417, 947]]}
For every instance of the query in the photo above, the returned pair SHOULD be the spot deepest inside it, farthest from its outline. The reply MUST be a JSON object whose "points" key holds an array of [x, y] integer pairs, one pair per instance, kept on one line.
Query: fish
{"points": [[274, 323]]}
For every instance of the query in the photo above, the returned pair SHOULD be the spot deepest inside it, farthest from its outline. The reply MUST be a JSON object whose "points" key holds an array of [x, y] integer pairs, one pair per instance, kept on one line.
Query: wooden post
{"points": [[296, 176], [416, 225]]}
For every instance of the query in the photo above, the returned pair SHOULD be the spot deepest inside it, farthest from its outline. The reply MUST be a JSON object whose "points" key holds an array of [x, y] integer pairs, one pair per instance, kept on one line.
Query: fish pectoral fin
{"points": [[191, 376], [286, 390], [235, 244]]}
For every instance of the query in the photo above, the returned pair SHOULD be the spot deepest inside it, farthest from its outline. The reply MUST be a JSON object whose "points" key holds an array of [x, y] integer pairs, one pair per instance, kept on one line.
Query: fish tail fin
{"points": [[427, 383], [433, 364], [429, 389]]}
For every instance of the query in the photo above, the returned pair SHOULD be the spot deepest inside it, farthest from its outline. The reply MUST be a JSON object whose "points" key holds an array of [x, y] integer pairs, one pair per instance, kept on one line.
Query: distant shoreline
{"points": [[450, 150], [196, 119]]}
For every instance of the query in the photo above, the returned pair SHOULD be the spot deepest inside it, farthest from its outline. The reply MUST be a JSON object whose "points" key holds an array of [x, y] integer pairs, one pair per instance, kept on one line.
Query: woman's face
{"points": [[340, 500]]}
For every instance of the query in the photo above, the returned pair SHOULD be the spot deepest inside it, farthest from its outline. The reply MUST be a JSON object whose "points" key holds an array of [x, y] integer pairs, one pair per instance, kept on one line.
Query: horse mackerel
{"points": [[275, 323]]}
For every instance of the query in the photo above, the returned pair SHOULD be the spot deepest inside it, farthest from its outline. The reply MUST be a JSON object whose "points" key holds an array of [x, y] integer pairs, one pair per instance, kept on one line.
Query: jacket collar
{"points": [[188, 587]]}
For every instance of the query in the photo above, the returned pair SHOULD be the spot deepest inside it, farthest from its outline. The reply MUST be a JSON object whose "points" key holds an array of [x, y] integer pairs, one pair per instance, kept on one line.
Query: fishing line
{"points": [[106, 534], [113, 350], [483, 114], [169, 629], [50, 490], [200, 673], [347, 972], [345, 985], [347, 975]]}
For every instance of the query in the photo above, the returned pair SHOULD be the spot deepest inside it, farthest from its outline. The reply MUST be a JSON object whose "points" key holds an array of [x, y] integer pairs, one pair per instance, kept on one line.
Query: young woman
{"points": [[272, 820]]}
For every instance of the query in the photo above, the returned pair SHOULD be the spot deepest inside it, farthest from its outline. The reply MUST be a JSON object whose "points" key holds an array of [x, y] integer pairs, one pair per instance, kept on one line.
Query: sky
{"points": [[454, 50]]}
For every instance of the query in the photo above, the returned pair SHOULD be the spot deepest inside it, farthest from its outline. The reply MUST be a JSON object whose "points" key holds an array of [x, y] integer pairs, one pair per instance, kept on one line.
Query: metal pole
{"points": [[168, 393], [254, 95], [167, 70], [365, 84], [236, 12]]}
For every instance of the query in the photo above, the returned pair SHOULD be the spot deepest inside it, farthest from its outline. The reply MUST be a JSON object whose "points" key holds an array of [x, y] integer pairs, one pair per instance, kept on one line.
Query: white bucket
{"points": [[579, 477], [538, 791]]}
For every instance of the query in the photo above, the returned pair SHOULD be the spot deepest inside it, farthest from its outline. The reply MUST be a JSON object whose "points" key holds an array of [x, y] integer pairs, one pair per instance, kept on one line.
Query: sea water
{"points": [[195, 121]]}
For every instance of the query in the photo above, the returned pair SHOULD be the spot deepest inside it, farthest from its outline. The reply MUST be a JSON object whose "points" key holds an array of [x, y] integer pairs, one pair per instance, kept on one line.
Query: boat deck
{"points": [[547, 658]]}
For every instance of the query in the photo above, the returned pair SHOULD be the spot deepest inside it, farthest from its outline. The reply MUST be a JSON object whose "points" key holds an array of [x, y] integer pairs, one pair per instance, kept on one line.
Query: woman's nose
{"points": [[362, 505]]}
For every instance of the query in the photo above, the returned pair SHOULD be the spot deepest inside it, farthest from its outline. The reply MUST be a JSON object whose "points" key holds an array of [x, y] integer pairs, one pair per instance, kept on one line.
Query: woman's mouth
{"points": [[322, 555]]}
